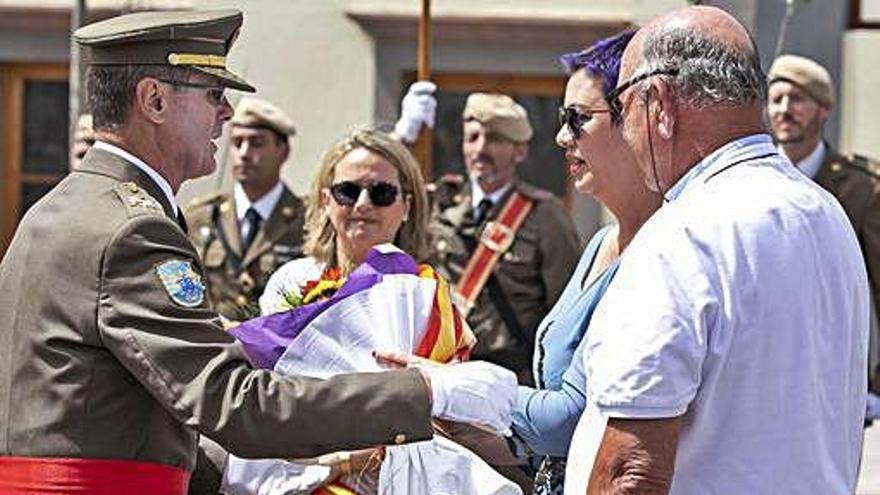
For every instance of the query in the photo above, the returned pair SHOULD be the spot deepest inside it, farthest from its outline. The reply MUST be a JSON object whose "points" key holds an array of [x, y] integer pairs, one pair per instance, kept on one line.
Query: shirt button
{"points": [[399, 438]]}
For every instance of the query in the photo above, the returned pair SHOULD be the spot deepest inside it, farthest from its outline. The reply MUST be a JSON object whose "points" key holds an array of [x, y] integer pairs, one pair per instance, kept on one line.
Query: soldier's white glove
{"points": [[474, 392], [417, 108]]}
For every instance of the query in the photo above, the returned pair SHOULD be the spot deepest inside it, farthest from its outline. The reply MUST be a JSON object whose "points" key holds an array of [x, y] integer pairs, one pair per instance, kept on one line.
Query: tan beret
{"points": [[501, 114], [254, 112], [806, 74], [84, 130]]}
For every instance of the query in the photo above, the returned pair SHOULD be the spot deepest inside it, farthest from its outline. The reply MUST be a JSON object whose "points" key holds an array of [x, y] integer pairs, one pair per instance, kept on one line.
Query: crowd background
{"points": [[361, 55]]}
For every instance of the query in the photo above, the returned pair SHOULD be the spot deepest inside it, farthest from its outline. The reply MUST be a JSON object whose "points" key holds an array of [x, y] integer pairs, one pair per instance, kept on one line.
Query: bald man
{"points": [[725, 357]]}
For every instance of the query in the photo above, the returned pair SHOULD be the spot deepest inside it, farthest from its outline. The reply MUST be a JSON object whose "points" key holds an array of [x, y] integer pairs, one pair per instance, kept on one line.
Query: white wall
{"points": [[859, 97]]}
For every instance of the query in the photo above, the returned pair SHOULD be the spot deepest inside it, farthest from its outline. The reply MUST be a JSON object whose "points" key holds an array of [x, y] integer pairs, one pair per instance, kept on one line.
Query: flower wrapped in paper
{"points": [[390, 303]]}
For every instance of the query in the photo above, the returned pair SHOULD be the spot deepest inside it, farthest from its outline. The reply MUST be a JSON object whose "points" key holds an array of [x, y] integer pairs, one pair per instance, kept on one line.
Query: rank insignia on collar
{"points": [[182, 283]]}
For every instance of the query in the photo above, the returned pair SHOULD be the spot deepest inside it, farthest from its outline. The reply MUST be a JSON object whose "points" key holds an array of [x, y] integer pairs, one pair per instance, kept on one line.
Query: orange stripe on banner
{"points": [[447, 335], [446, 343]]}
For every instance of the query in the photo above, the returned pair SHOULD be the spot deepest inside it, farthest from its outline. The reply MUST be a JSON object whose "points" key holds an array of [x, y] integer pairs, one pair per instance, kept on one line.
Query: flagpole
{"points": [[423, 144]]}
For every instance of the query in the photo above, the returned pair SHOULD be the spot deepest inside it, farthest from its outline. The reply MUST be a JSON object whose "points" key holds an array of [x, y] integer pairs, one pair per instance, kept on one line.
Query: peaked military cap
{"points": [[256, 112], [185, 38], [500, 113]]}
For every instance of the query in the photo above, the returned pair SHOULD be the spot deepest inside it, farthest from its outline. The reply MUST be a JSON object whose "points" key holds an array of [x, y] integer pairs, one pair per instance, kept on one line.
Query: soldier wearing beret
{"points": [[244, 235], [533, 268], [800, 97], [113, 361]]}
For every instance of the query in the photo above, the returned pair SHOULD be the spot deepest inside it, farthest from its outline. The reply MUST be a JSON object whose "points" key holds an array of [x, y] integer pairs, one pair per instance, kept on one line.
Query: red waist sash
{"points": [[61, 475]]}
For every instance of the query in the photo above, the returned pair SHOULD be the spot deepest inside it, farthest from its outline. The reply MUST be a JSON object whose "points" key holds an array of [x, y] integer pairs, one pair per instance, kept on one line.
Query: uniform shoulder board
{"points": [[535, 193], [206, 199], [867, 165], [137, 201], [452, 179], [446, 191]]}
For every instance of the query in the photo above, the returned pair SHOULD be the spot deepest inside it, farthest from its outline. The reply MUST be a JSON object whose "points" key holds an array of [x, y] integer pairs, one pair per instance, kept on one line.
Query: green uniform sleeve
{"points": [[559, 248], [180, 354]]}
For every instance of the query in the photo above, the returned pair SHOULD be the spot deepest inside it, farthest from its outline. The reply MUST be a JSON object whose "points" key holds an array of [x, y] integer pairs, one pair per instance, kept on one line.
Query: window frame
{"points": [[13, 78], [856, 20]]}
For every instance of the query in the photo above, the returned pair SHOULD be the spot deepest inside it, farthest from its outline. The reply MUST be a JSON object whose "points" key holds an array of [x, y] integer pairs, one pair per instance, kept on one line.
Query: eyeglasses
{"points": [[575, 119], [216, 94], [613, 98], [347, 193]]}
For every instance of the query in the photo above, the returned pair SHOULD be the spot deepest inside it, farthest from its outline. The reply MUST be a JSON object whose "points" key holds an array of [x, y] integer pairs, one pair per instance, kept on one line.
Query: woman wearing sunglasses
{"points": [[545, 417], [367, 191]]}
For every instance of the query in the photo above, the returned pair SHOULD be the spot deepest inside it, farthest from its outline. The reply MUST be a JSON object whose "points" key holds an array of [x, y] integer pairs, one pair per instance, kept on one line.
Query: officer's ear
{"points": [[151, 99]]}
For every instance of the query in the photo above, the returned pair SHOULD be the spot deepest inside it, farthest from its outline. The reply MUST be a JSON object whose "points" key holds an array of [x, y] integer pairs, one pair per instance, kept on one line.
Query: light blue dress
{"points": [[545, 417]]}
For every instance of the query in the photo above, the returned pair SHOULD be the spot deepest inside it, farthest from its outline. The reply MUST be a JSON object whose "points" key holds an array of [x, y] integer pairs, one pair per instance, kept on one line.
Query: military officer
{"points": [[245, 235], [112, 360], [800, 97], [533, 263]]}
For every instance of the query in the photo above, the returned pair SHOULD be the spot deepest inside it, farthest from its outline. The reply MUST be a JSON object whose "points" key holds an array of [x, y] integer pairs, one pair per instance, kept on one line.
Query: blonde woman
{"points": [[368, 191]]}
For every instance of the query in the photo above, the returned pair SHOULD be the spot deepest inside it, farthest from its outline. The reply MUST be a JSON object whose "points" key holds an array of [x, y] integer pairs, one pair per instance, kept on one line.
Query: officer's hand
{"points": [[416, 109], [474, 392]]}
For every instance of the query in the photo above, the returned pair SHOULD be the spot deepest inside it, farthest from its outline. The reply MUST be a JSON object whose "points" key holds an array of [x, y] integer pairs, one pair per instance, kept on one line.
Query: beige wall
{"points": [[859, 96], [313, 62]]}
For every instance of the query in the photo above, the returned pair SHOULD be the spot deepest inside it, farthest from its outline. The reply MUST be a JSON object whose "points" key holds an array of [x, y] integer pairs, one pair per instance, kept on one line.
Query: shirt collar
{"points": [[477, 193], [811, 164], [741, 149], [142, 165], [264, 205]]}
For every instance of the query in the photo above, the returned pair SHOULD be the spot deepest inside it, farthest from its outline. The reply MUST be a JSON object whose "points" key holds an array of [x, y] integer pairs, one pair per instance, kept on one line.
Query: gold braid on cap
{"points": [[197, 59]]}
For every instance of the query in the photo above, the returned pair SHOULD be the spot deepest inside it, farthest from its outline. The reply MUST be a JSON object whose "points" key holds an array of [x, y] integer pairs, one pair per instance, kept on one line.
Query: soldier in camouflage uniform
{"points": [[244, 235]]}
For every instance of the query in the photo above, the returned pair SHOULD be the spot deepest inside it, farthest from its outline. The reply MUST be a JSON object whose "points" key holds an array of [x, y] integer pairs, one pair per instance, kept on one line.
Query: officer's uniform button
{"points": [[399, 438], [241, 300], [133, 187], [835, 167], [247, 282]]}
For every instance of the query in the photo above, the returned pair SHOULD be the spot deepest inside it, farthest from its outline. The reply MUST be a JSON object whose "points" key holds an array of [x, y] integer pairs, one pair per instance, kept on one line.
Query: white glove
{"points": [[418, 107], [474, 392]]}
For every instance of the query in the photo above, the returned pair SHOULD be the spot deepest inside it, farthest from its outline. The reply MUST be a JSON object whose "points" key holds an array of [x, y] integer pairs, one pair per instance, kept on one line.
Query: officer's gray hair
{"points": [[412, 236], [710, 72], [110, 90]]}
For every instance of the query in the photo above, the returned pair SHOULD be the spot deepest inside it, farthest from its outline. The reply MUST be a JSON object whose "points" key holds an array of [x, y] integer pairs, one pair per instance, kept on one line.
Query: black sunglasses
{"points": [[574, 119], [346, 193], [613, 98], [214, 92]]}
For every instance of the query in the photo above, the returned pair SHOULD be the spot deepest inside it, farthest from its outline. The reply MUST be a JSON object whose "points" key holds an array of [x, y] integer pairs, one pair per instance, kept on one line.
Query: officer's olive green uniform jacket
{"points": [[235, 279], [531, 274], [97, 361], [855, 182]]}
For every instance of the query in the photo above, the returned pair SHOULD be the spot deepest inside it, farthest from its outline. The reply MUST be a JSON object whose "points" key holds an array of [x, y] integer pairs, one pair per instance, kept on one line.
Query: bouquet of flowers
{"points": [[335, 323]]}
